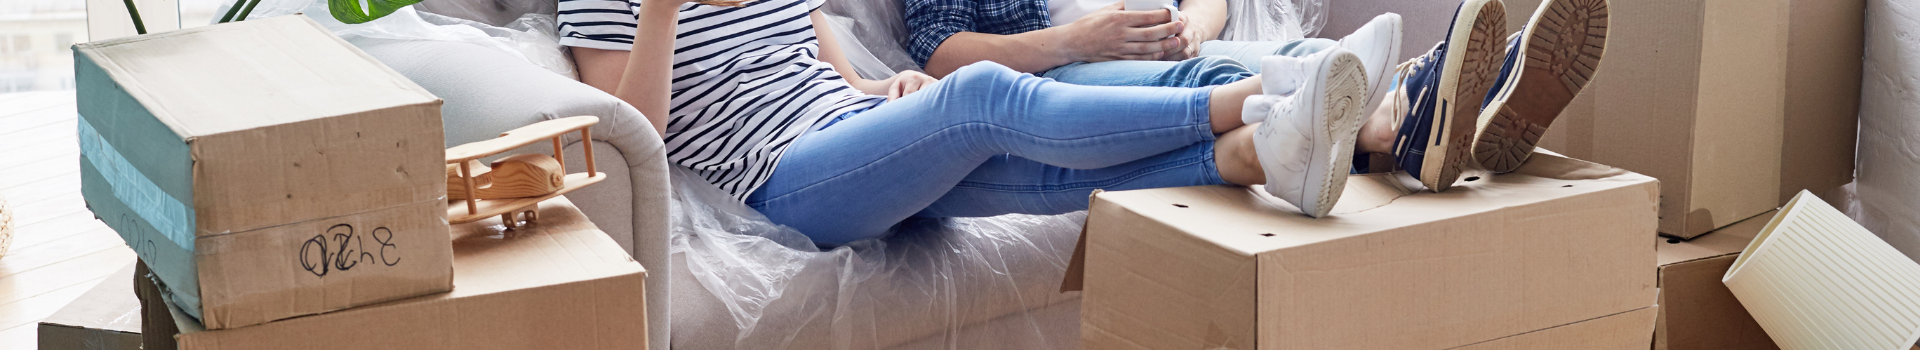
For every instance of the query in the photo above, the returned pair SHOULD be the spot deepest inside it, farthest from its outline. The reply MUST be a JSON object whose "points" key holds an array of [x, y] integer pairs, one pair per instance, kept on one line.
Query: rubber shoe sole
{"points": [[1564, 43], [1346, 98], [1472, 63]]}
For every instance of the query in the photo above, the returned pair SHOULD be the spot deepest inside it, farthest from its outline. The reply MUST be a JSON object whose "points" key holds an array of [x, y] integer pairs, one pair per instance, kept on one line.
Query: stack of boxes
{"points": [[1733, 106], [287, 191]]}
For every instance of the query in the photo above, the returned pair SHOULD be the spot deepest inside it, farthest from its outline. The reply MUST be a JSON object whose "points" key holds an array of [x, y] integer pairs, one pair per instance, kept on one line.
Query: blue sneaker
{"points": [[1562, 48], [1435, 130]]}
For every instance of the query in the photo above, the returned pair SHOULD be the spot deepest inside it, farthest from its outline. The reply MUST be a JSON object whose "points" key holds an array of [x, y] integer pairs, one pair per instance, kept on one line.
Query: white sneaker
{"points": [[1378, 45], [1306, 146]]}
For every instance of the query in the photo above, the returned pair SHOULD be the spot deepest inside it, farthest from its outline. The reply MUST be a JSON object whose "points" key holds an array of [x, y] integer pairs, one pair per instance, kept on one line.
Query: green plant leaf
{"points": [[349, 11]]}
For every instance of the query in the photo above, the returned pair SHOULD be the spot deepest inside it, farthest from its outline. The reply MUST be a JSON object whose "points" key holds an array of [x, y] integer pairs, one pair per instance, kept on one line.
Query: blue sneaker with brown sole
{"points": [[1444, 89], [1547, 64]]}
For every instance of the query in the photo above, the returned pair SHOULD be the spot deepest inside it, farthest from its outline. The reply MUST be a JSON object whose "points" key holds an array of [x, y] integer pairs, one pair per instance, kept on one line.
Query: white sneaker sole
{"points": [[1472, 62], [1343, 88], [1564, 43]]}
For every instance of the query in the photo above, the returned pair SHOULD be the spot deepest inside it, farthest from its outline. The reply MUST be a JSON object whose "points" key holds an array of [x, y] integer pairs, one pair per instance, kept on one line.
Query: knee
{"points": [[981, 74], [1216, 70]]}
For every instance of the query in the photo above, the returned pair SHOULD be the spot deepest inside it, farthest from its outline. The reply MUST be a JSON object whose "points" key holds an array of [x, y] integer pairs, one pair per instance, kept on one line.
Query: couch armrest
{"points": [[488, 92]]}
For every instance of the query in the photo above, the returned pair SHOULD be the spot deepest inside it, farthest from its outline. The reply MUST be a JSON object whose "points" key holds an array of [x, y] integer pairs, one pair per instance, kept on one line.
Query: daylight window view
{"points": [[36, 36]]}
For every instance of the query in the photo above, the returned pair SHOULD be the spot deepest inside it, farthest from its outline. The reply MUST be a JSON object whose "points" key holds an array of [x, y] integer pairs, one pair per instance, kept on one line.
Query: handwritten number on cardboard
{"points": [[342, 248]]}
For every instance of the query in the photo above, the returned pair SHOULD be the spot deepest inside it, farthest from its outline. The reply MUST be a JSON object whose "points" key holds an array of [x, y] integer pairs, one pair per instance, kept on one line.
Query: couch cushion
{"points": [[492, 12]]}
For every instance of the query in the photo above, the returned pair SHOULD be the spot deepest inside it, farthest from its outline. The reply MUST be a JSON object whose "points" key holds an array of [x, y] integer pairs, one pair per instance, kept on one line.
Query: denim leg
{"points": [[1250, 52], [1193, 72], [859, 176], [1009, 184]]}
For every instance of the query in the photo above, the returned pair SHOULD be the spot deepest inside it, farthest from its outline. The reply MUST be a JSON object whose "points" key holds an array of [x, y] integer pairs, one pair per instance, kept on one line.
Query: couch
{"points": [[1012, 302]]}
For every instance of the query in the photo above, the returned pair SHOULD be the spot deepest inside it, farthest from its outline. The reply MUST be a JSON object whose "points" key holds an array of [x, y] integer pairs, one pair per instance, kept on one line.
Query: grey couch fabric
{"points": [[488, 92]]}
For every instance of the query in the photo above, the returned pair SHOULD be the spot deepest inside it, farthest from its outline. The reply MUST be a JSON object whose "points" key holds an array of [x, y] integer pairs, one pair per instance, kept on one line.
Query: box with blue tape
{"points": [[264, 169]]}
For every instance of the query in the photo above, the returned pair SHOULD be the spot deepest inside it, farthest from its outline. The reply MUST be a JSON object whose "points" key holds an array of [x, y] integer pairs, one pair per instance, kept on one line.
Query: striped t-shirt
{"points": [[747, 81]]}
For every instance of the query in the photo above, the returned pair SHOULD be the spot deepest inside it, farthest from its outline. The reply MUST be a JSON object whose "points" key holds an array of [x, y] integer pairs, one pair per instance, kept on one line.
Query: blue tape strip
{"points": [[171, 217]]}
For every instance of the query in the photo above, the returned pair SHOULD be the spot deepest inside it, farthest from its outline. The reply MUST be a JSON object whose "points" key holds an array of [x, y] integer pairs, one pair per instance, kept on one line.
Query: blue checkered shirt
{"points": [[932, 21]]}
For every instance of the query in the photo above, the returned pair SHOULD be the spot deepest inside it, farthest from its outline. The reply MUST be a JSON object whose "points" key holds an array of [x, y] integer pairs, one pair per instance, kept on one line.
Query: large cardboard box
{"points": [[264, 169], [559, 283], [106, 317], [1696, 309], [1557, 242], [1735, 105]]}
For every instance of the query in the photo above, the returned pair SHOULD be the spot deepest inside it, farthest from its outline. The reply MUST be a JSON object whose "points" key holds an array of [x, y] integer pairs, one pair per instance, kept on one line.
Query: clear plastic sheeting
{"points": [[871, 35], [1271, 20], [1886, 188], [531, 36], [742, 282]]}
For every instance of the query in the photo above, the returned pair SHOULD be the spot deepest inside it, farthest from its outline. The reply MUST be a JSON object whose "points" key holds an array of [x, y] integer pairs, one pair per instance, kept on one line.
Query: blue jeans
{"points": [[987, 141], [1220, 62]]}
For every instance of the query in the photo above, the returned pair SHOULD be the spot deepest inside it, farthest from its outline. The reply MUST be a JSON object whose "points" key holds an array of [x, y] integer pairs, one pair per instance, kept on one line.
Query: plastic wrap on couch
{"points": [[974, 283], [533, 36], [1887, 187], [1258, 20]]}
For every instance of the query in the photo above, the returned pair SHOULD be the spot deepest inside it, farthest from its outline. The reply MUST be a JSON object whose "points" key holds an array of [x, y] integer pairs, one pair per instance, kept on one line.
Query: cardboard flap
{"points": [[239, 76], [1723, 242], [1371, 191]]}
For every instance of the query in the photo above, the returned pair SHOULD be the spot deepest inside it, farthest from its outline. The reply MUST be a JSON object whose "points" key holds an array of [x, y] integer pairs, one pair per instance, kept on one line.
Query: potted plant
{"points": [[347, 11]]}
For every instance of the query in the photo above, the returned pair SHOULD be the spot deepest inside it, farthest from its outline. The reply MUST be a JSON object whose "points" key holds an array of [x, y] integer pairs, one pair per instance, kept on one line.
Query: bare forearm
{"points": [[1030, 52], [647, 81], [1207, 16]]}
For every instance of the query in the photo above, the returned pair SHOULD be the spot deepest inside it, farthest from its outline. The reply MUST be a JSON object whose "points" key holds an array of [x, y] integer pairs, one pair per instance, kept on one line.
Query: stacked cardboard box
{"points": [[1552, 256], [264, 169], [1734, 105], [557, 283], [106, 317], [1696, 309]]}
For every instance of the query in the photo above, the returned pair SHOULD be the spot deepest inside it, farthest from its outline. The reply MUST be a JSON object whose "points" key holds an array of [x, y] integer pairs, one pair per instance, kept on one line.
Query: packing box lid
{"points": [[246, 75], [1727, 241], [1558, 241], [559, 283], [105, 317]]}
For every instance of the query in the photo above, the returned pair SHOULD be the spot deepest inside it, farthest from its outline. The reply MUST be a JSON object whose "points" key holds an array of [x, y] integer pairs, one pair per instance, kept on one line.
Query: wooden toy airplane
{"points": [[496, 191]]}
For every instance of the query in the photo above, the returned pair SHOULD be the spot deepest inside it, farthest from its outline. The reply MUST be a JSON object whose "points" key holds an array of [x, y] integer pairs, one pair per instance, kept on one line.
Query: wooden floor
{"points": [[58, 249]]}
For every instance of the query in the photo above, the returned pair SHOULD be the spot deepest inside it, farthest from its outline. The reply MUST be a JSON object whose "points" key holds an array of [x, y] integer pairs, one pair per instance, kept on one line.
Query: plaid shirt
{"points": [[932, 21]]}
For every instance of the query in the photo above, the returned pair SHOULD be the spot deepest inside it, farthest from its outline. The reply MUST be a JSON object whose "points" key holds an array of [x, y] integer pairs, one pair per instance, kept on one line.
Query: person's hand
{"points": [[907, 82], [1111, 34], [1190, 39]]}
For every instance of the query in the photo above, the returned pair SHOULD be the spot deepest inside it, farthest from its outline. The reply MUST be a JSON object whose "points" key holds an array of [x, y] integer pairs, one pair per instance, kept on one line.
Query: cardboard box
{"points": [[106, 317], [559, 283], [1734, 105], [1626, 330], [1557, 242], [264, 169], [1696, 310]]}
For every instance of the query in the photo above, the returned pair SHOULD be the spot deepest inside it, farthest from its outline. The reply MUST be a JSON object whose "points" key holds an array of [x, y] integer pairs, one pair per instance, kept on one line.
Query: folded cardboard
{"points": [[1626, 330], [557, 283], [1733, 105], [264, 169], [1815, 279], [106, 317], [1557, 242], [1697, 312]]}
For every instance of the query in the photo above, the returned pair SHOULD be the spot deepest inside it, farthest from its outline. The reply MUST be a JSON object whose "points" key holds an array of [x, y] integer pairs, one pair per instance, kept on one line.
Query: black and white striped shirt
{"points": [[747, 81]]}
